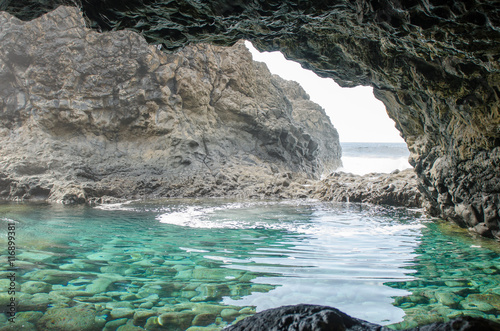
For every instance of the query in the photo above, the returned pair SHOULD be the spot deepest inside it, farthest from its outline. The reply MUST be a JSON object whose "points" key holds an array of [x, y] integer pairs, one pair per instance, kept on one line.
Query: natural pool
{"points": [[203, 264]]}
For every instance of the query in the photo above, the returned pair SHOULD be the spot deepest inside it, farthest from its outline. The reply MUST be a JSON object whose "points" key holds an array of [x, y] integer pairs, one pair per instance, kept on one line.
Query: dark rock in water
{"points": [[433, 63], [464, 323], [91, 117], [321, 318], [304, 318]]}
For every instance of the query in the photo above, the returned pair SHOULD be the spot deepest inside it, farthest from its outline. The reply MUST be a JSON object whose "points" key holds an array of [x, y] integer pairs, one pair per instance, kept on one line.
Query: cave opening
{"points": [[355, 112], [369, 139]]}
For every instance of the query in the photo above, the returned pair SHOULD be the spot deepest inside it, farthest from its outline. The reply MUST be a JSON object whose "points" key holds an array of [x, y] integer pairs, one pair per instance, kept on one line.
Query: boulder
{"points": [[322, 318]]}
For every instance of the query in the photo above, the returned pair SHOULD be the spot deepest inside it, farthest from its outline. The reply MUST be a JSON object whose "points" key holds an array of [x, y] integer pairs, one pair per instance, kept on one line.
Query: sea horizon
{"points": [[362, 158]]}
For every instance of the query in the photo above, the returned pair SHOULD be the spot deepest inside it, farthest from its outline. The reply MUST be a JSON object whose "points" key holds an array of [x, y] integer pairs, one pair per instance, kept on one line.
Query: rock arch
{"points": [[435, 64]]}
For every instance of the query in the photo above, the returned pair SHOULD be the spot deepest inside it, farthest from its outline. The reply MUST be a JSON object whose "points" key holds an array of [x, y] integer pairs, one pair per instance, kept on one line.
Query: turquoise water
{"points": [[202, 264]]}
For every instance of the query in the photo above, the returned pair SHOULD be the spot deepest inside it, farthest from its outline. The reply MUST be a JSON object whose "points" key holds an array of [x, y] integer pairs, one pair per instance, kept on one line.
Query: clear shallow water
{"points": [[364, 158], [212, 263]]}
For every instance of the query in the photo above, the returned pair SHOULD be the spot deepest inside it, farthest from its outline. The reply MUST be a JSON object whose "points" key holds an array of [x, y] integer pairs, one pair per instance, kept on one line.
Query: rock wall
{"points": [[435, 64], [87, 115]]}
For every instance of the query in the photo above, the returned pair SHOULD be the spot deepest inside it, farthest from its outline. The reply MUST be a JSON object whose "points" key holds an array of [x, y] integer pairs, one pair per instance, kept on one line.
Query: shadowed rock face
{"points": [[435, 64]]}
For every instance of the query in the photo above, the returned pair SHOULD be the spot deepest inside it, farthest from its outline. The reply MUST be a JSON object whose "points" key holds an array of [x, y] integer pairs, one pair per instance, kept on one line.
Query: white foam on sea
{"points": [[116, 206], [189, 217], [193, 250], [228, 216], [197, 217], [366, 165]]}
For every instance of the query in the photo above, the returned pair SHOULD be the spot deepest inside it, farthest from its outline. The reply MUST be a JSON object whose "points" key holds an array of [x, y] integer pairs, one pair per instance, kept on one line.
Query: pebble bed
{"points": [[126, 291], [456, 274], [141, 279], [118, 281]]}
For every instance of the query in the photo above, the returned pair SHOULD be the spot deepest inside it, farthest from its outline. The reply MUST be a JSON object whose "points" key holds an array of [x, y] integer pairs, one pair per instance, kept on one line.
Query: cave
{"points": [[434, 64]]}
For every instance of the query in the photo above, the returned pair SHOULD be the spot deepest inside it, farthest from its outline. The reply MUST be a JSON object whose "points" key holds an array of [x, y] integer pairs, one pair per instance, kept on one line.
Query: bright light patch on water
{"points": [[332, 255]]}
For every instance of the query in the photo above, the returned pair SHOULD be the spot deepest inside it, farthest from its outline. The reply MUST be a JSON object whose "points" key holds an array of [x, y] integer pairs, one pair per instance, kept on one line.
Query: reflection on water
{"points": [[180, 263], [341, 256]]}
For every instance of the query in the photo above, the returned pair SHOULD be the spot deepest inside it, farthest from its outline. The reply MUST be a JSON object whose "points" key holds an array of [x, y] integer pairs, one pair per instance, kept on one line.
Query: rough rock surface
{"points": [[78, 318], [399, 189], [85, 116], [322, 318], [435, 64]]}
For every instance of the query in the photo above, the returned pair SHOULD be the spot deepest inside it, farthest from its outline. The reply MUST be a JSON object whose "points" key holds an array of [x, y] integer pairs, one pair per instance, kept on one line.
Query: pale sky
{"points": [[355, 113]]}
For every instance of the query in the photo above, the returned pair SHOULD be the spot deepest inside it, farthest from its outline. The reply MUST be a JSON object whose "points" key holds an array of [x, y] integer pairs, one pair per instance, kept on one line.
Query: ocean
{"points": [[364, 158]]}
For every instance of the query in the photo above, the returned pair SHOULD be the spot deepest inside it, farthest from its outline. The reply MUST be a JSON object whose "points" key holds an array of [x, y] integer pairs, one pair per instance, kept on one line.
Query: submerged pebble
{"points": [[33, 287], [448, 299], [78, 318], [473, 302], [114, 324]]}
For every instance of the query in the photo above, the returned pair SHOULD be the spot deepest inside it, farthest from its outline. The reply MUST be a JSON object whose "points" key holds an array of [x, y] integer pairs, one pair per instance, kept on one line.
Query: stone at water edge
{"points": [[301, 317], [396, 189], [33, 287], [322, 318]]}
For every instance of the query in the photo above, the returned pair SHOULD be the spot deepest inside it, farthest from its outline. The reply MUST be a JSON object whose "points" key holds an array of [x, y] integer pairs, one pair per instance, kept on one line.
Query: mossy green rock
{"points": [[29, 316], [229, 314], [78, 318], [33, 287], [176, 320], [448, 299], [483, 302], [115, 324], [204, 328], [130, 327], [204, 319]]}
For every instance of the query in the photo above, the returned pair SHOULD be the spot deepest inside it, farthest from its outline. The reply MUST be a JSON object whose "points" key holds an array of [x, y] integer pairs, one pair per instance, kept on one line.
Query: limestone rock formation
{"points": [[87, 115]]}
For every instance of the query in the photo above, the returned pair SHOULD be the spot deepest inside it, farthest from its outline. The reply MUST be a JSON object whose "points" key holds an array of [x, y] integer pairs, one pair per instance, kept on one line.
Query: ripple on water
{"points": [[176, 264]]}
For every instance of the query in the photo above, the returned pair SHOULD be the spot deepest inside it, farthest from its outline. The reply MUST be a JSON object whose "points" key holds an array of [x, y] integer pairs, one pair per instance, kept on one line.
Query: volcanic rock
{"points": [[321, 318], [88, 116], [399, 188]]}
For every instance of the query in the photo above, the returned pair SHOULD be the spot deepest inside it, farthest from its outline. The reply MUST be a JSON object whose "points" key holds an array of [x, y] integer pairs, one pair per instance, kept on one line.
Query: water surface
{"points": [[215, 262]]}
